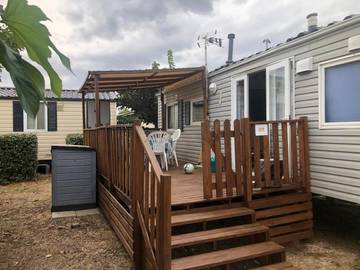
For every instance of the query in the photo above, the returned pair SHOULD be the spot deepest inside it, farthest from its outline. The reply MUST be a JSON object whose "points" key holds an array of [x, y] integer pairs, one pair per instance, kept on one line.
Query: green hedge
{"points": [[74, 139], [18, 157]]}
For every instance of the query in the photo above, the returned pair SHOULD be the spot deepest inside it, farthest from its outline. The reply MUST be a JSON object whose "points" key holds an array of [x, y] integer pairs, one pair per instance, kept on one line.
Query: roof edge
{"points": [[327, 30]]}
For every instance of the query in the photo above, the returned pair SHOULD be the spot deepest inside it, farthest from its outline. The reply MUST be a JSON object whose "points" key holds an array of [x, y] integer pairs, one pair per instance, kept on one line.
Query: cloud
{"points": [[131, 34]]}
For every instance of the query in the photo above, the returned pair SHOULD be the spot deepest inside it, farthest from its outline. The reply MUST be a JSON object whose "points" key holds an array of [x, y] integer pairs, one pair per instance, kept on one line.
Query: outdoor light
{"points": [[212, 88]]}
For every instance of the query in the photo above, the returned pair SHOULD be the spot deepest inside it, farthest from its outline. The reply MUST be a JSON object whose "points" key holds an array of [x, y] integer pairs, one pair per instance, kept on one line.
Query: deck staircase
{"points": [[215, 238]]}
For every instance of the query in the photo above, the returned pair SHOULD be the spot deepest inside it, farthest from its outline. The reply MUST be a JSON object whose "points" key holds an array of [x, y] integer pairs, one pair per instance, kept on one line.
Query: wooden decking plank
{"points": [[287, 219], [291, 228], [280, 200], [277, 266], [223, 257], [278, 211], [191, 218], [216, 235], [293, 236]]}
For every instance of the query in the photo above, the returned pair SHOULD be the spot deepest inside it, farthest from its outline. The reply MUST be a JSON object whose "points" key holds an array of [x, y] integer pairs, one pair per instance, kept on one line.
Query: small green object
{"points": [[213, 163]]}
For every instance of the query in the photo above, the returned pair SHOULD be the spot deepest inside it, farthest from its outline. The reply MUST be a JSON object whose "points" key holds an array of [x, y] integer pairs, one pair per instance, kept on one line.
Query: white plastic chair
{"points": [[172, 153], [158, 141]]}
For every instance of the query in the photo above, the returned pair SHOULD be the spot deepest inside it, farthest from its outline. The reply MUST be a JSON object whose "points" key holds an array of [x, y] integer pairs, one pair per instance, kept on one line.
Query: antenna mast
{"points": [[205, 40]]}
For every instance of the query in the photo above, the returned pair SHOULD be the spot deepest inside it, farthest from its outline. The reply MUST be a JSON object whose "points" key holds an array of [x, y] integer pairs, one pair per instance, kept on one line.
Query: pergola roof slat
{"points": [[136, 79]]}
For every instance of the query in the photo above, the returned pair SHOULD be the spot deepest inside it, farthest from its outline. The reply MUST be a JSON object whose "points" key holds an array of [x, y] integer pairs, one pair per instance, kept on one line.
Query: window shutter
{"points": [[18, 117], [180, 115], [52, 116], [187, 112]]}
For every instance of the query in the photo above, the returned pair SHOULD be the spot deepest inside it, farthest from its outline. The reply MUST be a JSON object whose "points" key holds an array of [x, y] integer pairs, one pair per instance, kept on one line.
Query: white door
{"points": [[239, 104], [278, 91], [239, 97]]}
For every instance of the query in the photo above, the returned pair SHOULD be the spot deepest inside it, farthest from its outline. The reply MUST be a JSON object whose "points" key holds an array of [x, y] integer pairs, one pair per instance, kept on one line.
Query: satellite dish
{"points": [[212, 88]]}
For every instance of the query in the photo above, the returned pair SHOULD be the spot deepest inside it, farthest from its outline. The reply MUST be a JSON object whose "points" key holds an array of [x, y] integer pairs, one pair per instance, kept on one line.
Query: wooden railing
{"points": [[254, 155], [133, 188], [113, 146], [152, 207], [230, 147], [281, 156]]}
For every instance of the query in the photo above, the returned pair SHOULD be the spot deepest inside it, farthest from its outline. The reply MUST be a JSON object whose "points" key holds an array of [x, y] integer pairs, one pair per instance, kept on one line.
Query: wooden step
{"points": [[198, 217], [209, 236], [226, 256], [277, 266]]}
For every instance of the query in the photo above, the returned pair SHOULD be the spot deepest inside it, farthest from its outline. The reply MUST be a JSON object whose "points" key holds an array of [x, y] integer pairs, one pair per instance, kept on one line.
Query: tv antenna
{"points": [[267, 43], [206, 40]]}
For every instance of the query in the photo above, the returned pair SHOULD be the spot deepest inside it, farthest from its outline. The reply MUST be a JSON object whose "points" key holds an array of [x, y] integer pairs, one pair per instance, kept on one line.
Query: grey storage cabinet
{"points": [[73, 177]]}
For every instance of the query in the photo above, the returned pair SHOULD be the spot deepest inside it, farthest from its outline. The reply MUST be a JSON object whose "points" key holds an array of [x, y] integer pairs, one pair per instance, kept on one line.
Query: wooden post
{"points": [[306, 154], [164, 249], [206, 151], [218, 159], [83, 109], [245, 126], [205, 96], [137, 158], [163, 111], [97, 102]]}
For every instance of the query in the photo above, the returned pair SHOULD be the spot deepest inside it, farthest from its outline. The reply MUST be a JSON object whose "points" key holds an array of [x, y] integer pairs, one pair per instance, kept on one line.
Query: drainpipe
{"points": [[293, 87]]}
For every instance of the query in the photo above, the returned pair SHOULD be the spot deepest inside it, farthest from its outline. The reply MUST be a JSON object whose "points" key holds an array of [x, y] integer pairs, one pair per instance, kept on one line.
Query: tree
{"points": [[142, 102], [155, 65], [126, 116], [170, 58], [21, 30]]}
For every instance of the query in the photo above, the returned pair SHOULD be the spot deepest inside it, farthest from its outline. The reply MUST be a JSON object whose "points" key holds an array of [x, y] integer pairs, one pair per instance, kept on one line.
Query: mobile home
{"points": [[57, 117], [314, 74]]}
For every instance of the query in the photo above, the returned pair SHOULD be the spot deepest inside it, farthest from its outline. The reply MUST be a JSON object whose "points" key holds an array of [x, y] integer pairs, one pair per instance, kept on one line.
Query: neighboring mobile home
{"points": [[57, 117], [315, 74]]}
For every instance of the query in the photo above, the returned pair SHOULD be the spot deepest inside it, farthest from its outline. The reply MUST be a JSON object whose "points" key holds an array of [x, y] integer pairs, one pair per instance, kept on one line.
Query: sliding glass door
{"points": [[278, 91]]}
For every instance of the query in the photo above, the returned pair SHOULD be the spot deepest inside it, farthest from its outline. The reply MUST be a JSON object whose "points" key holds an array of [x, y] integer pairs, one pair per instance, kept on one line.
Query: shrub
{"points": [[74, 139], [18, 157]]}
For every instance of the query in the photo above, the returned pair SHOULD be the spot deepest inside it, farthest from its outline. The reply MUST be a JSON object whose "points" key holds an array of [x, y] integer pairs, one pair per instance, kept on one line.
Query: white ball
{"points": [[189, 168]]}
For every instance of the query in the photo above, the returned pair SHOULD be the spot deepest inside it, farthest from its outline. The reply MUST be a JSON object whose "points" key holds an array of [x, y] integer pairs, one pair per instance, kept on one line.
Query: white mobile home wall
{"points": [[334, 154], [188, 147]]}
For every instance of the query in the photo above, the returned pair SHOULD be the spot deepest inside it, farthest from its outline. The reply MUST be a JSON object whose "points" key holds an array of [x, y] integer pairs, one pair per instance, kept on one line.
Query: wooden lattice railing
{"points": [[252, 155], [134, 193]]}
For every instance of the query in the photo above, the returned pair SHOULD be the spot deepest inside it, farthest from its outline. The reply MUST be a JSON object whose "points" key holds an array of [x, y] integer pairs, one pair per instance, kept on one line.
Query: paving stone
{"points": [[87, 212], [63, 214]]}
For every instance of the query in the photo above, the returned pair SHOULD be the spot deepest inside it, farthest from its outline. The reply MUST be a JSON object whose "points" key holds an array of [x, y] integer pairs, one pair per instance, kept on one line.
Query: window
{"points": [[339, 84], [39, 122], [187, 113], [278, 91], [239, 96], [240, 99], [197, 111], [172, 116], [91, 113]]}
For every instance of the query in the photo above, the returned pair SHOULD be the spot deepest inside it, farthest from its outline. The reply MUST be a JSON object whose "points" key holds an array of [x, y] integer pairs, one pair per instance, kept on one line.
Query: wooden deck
{"points": [[238, 216], [187, 189]]}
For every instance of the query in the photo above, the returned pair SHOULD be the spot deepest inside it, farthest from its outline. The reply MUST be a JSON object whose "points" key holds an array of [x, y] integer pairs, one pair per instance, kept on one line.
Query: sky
{"points": [[131, 34]]}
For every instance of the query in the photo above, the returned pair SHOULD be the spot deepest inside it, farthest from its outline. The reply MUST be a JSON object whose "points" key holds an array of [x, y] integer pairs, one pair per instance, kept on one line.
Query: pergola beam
{"points": [[148, 79], [97, 102]]}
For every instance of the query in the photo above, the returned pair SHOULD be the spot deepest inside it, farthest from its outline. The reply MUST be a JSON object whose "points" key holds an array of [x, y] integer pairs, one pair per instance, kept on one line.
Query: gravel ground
{"points": [[30, 239], [336, 244]]}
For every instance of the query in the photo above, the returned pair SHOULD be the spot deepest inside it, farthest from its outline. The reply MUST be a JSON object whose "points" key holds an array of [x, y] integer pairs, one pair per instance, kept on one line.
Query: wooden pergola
{"points": [[146, 79]]}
